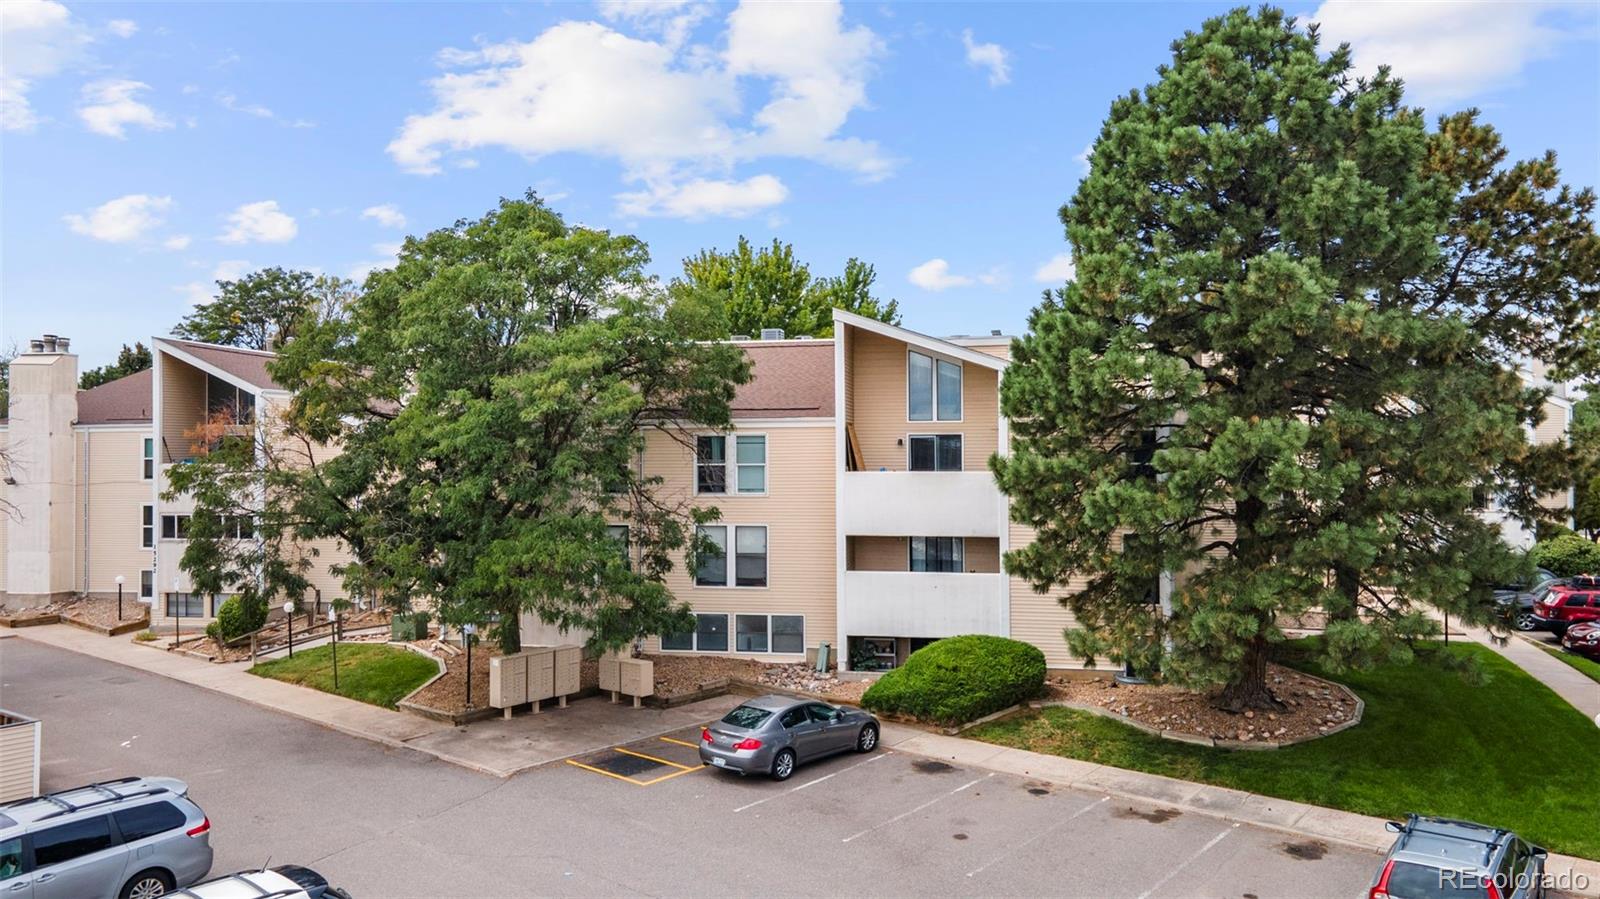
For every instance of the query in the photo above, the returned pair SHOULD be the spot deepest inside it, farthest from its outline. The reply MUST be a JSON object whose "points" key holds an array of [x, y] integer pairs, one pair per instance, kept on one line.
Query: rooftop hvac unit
{"points": [[771, 333]]}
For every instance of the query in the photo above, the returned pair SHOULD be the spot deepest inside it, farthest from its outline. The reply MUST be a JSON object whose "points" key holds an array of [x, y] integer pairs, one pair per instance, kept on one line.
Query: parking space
{"points": [[645, 763]]}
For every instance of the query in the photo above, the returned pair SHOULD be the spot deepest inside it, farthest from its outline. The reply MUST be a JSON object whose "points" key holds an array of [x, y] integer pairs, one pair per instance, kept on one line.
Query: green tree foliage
{"points": [[748, 289], [1584, 440], [131, 360], [1283, 368], [265, 309], [960, 679], [238, 616], [1567, 555], [490, 395]]}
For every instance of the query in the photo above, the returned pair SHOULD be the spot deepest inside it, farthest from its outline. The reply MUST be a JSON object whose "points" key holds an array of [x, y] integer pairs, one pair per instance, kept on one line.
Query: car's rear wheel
{"points": [[1525, 621], [867, 740], [147, 885], [783, 765]]}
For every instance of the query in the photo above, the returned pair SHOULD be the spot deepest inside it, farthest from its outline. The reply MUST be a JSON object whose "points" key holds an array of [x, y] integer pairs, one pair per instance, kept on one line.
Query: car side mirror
{"points": [[1541, 853], [1393, 826]]}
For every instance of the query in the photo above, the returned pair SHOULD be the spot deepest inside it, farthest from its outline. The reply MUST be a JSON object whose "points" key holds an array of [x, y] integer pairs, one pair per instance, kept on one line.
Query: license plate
{"points": [[720, 763]]}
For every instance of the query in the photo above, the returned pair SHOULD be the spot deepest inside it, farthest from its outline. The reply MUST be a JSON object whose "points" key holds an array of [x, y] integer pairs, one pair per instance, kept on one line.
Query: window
{"points": [[712, 570], [147, 584], [750, 557], [185, 605], [1576, 601], [788, 633], [938, 554], [147, 820], [933, 389], [65, 842], [678, 642], [933, 452], [751, 452], [618, 533], [174, 527], [750, 633], [217, 599], [822, 713], [794, 718], [149, 458], [238, 527], [711, 633], [746, 716], [711, 464], [10, 858], [147, 526], [237, 404]]}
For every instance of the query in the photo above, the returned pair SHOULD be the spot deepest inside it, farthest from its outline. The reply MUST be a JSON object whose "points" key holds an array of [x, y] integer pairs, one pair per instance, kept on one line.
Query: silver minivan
{"points": [[133, 838]]}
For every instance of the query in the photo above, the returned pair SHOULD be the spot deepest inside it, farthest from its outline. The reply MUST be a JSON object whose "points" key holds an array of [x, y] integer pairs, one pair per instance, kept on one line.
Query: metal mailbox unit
{"points": [[534, 675], [629, 677]]}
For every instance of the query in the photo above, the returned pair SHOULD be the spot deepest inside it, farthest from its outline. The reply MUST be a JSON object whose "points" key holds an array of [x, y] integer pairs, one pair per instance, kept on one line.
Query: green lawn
{"points": [[1587, 666], [370, 672], [1507, 752]]}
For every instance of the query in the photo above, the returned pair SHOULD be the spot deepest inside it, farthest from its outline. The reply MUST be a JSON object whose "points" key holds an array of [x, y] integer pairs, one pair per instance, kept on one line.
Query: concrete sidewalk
{"points": [[496, 747], [1331, 825], [1568, 682]]}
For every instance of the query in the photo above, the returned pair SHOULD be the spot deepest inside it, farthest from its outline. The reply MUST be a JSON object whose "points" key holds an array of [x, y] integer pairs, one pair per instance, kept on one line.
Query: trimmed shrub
{"points": [[1567, 555], [960, 679], [239, 615]]}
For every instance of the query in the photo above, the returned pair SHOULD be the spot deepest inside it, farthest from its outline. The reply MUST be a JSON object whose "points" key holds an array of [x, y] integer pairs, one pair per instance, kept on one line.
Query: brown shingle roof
{"points": [[788, 379], [123, 401], [247, 365]]}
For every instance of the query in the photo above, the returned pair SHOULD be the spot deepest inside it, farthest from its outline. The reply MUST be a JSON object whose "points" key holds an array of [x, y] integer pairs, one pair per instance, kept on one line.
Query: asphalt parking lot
{"points": [[395, 823]]}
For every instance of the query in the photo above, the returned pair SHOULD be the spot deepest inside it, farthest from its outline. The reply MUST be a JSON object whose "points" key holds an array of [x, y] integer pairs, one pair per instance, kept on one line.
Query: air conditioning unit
{"points": [[771, 333]]}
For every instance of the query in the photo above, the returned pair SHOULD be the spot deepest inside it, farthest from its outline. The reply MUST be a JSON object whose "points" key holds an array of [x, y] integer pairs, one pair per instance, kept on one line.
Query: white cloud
{"points": [[1056, 270], [230, 269], [177, 242], [38, 38], [669, 114], [988, 56], [388, 215], [260, 222], [232, 103], [1445, 50], [201, 292], [389, 253], [121, 220], [935, 275], [123, 27], [109, 106], [701, 198]]}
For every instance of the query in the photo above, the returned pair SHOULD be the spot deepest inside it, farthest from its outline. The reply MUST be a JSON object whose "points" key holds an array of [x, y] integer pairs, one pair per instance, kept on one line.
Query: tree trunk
{"points": [[510, 629], [1249, 690], [1347, 581]]}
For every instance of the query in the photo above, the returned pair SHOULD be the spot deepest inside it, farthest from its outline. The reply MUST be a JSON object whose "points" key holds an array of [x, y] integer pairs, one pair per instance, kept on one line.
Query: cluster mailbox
{"points": [[627, 676], [534, 675]]}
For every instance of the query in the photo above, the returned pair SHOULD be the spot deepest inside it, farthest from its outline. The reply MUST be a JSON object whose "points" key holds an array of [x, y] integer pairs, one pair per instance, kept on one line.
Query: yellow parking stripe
{"points": [[653, 758], [605, 772], [646, 783], [680, 743]]}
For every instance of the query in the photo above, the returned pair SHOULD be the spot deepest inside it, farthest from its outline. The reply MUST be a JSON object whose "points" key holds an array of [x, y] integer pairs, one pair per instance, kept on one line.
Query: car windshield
{"points": [[746, 716], [1409, 881]]}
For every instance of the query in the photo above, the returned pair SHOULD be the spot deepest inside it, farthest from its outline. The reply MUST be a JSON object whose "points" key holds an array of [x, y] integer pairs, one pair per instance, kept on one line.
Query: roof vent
{"points": [[805, 337], [49, 343], [35, 345], [62, 343], [995, 333], [771, 333], [741, 337]]}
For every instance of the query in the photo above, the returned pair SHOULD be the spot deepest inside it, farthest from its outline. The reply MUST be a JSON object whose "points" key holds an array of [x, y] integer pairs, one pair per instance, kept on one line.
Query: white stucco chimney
{"points": [[43, 406]]}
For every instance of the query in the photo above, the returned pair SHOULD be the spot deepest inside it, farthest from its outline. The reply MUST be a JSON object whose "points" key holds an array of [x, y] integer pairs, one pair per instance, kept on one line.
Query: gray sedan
{"points": [[773, 734]]}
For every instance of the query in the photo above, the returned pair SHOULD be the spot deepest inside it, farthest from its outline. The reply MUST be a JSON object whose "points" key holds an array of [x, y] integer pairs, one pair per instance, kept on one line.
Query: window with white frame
{"points": [[710, 634], [749, 556], [185, 605], [946, 554], [147, 584], [769, 633], [711, 464], [235, 403], [618, 533], [149, 458], [238, 527], [933, 452], [746, 469], [933, 388], [147, 526], [174, 527], [750, 460]]}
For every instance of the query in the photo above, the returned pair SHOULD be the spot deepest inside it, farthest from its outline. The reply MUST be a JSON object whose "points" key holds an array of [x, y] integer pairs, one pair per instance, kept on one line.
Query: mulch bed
{"points": [[1312, 707], [678, 675]]}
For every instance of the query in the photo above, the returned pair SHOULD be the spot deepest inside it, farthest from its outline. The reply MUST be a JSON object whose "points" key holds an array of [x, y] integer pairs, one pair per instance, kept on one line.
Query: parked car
{"points": [[279, 882], [133, 838], [1575, 602], [1540, 577], [1519, 606], [1583, 639], [774, 734], [1439, 858]]}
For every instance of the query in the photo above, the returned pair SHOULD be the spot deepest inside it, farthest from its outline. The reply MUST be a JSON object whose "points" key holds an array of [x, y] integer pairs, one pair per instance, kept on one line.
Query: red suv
{"points": [[1575, 603]]}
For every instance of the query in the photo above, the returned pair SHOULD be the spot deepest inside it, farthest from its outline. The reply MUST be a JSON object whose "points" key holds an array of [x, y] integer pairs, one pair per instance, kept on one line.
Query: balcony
{"points": [[921, 604], [938, 503]]}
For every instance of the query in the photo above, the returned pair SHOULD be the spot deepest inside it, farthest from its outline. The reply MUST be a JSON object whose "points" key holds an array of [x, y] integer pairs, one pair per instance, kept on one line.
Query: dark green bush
{"points": [[239, 615], [960, 679], [1567, 555]]}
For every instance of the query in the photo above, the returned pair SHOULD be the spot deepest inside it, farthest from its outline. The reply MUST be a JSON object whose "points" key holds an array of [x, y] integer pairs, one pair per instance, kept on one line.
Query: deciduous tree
{"points": [[130, 360], [747, 289], [264, 309]]}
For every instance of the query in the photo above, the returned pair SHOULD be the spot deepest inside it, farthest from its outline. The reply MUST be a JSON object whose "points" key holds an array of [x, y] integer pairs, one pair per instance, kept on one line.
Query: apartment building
{"points": [[856, 507]]}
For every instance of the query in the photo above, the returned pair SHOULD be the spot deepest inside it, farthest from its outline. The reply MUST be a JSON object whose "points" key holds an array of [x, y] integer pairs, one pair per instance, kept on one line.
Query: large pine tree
{"points": [[1285, 368]]}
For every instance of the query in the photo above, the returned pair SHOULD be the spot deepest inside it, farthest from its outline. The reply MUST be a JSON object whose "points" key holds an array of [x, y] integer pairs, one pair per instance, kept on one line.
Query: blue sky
{"points": [[148, 149]]}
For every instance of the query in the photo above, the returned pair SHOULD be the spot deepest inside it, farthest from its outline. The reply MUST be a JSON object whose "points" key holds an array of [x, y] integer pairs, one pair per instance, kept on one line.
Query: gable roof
{"points": [[249, 366], [127, 400], [916, 339], [788, 379]]}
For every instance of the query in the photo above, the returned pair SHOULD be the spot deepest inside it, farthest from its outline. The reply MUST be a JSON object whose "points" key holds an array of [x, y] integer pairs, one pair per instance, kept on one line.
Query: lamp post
{"points": [[467, 630], [333, 616], [288, 616], [177, 620], [119, 598]]}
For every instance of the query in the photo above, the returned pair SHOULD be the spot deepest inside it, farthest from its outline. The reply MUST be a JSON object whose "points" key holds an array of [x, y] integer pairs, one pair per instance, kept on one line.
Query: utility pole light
{"points": [[333, 618], [119, 598], [467, 630], [288, 616]]}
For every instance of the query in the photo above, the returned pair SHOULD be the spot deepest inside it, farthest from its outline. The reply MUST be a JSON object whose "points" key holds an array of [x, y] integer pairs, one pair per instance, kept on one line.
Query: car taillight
{"points": [[1381, 890], [203, 827], [1494, 891], [705, 734], [748, 743]]}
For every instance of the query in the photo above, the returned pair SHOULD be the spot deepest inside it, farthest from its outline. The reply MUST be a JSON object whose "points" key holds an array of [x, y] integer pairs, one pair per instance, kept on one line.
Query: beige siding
{"points": [[1553, 429], [893, 554], [19, 760], [112, 488], [878, 388], [798, 512], [5, 522], [1039, 618], [183, 407], [997, 350], [847, 340]]}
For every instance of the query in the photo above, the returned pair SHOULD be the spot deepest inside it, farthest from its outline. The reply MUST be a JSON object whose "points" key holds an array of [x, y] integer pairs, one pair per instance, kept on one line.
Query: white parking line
{"points": [[919, 808], [1038, 836], [811, 782], [1186, 862]]}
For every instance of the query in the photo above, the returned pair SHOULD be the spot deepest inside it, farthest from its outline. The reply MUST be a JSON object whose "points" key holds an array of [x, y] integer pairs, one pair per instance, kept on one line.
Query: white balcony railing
{"points": [[931, 503], [921, 604]]}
